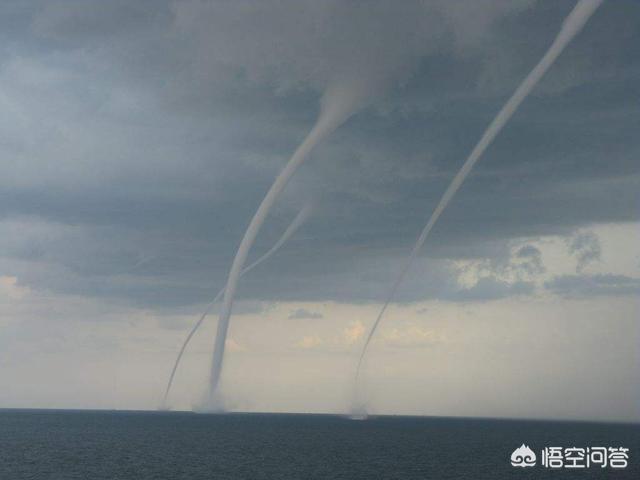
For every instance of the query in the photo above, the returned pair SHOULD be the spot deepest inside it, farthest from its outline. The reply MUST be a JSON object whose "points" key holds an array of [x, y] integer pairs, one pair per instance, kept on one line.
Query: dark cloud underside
{"points": [[137, 142]]}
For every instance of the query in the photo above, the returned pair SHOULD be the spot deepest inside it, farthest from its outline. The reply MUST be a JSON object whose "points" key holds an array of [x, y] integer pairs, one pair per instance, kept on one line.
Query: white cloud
{"points": [[354, 332], [411, 336]]}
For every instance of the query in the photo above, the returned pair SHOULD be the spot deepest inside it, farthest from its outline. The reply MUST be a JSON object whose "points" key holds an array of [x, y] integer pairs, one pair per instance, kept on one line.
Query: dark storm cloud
{"points": [[151, 130]]}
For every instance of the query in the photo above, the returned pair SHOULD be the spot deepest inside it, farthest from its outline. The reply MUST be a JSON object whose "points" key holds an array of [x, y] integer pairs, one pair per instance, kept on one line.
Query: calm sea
{"points": [[92, 445]]}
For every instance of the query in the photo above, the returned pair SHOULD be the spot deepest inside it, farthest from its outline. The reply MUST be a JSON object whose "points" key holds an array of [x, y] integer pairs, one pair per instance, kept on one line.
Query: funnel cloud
{"points": [[570, 28], [337, 105], [297, 222]]}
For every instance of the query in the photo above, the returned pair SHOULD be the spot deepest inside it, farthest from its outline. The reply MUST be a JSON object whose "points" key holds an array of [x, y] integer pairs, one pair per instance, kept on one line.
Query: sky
{"points": [[138, 138]]}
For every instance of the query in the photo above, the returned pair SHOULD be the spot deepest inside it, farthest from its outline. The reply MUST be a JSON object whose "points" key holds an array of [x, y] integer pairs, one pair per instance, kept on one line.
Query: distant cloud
{"points": [[591, 285], [528, 251], [354, 332], [10, 287], [508, 272], [586, 248], [530, 260], [491, 288], [301, 313], [412, 336], [309, 341]]}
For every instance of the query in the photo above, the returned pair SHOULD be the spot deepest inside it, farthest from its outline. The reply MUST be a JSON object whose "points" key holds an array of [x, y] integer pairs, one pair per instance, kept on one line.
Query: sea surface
{"points": [[92, 445]]}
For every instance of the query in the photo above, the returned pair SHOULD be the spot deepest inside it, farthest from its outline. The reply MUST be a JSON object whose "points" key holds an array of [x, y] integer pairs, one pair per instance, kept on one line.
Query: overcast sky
{"points": [[138, 138]]}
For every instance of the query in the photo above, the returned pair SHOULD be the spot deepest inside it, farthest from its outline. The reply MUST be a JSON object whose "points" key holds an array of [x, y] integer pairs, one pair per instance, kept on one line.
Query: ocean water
{"points": [[91, 445]]}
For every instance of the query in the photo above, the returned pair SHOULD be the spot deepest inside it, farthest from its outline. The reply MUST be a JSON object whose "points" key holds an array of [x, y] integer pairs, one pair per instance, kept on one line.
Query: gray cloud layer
{"points": [[138, 138]]}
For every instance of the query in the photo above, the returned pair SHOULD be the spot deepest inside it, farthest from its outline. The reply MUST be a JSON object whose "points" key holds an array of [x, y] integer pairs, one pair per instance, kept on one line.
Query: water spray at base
{"points": [[570, 28], [297, 222]]}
